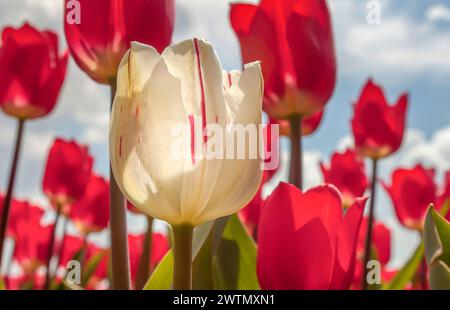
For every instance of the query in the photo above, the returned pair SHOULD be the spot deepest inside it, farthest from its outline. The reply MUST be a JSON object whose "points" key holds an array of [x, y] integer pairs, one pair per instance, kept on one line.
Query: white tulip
{"points": [[156, 93]]}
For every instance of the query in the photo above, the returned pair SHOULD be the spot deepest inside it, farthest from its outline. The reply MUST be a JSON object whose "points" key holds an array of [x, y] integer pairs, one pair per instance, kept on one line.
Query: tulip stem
{"points": [[296, 170], [51, 245], [11, 181], [368, 244], [182, 251], [144, 264], [118, 224]]}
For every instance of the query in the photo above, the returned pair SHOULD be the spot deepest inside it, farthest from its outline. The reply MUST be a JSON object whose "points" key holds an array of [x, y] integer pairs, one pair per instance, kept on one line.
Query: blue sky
{"points": [[409, 51]]}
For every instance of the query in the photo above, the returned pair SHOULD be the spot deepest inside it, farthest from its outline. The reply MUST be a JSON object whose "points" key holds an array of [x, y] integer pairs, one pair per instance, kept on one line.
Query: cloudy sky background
{"points": [[408, 51]]}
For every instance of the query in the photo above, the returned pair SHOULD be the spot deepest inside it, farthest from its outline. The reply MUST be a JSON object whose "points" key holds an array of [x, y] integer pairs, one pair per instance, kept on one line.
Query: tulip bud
{"points": [[184, 86], [412, 191], [378, 128], [32, 72]]}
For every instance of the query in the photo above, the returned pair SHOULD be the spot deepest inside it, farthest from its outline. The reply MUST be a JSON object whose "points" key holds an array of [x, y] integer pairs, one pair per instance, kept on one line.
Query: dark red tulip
{"points": [[378, 127], [412, 191], [32, 71], [67, 173], [91, 212], [160, 246], [31, 247], [347, 172], [294, 41], [107, 27], [305, 242]]}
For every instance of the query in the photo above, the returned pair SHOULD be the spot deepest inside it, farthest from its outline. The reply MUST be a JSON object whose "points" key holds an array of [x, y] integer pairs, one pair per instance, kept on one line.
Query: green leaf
{"points": [[234, 266], [408, 271], [161, 278], [437, 249], [91, 266]]}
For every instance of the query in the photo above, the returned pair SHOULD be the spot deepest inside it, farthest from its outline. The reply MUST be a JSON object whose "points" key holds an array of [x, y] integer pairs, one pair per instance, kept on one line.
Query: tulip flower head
{"points": [[294, 41], [184, 88], [91, 212], [32, 72], [347, 173], [103, 35], [305, 242], [67, 173], [444, 194], [378, 128], [309, 124], [412, 191]]}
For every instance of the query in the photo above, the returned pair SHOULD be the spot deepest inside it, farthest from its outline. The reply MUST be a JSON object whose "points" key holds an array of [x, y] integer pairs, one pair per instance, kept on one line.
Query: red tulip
{"points": [[72, 245], [160, 246], [22, 212], [347, 173], [378, 127], [107, 27], [31, 247], [32, 72], [91, 212], [381, 245], [305, 242], [294, 41], [381, 238], [412, 191], [67, 173]]}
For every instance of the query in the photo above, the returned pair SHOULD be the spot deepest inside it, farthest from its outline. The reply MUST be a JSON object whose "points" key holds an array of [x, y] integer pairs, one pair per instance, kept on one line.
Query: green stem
{"points": [[182, 251], [118, 224], [144, 264], [9, 191], [296, 171], [367, 248]]}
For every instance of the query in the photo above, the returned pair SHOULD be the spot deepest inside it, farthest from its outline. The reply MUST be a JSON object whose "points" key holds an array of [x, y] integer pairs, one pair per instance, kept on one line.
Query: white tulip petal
{"points": [[239, 178]]}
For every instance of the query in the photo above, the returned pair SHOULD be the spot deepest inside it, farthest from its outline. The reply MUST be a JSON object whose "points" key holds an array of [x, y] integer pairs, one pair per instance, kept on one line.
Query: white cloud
{"points": [[438, 12]]}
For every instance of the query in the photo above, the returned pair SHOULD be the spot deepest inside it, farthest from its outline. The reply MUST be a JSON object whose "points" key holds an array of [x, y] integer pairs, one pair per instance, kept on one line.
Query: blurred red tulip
{"points": [[22, 212], [412, 191], [381, 238], [381, 245], [72, 245], [347, 173], [160, 246], [67, 173], [294, 41], [305, 242], [91, 212], [32, 71], [33, 281], [107, 27], [31, 247], [378, 128]]}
